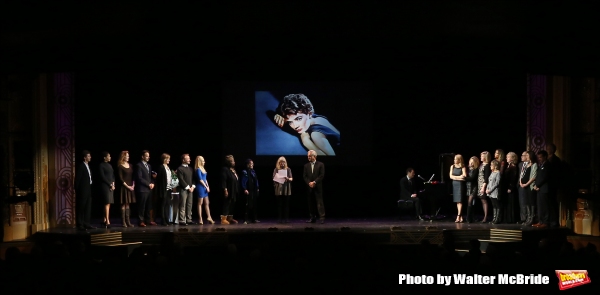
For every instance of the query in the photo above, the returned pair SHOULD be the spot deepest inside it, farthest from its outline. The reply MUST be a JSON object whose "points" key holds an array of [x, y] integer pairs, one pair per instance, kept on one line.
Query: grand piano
{"points": [[434, 196]]}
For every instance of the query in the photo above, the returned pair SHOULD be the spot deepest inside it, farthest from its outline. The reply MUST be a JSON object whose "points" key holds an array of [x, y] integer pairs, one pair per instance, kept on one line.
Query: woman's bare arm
{"points": [[309, 144], [322, 143]]}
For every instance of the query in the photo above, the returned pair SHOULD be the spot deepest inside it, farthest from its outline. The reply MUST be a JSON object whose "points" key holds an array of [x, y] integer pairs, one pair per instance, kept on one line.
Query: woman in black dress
{"points": [[482, 181], [107, 186], [230, 185], [471, 180], [126, 193]]}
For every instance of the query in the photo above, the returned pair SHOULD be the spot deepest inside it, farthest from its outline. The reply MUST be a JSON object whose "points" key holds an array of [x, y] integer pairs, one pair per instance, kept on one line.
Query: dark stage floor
{"points": [[382, 231], [331, 225]]}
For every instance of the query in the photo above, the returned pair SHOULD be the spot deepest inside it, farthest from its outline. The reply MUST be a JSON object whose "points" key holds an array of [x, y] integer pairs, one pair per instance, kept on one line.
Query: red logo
{"points": [[568, 279]]}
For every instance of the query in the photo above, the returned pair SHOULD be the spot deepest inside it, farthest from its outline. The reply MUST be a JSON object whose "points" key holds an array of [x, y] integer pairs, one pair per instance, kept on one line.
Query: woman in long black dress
{"points": [[471, 181], [458, 172], [482, 182], [107, 186], [127, 184]]}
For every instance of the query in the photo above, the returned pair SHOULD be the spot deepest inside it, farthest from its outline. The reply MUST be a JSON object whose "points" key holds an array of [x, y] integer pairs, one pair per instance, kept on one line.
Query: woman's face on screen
{"points": [[299, 122]]}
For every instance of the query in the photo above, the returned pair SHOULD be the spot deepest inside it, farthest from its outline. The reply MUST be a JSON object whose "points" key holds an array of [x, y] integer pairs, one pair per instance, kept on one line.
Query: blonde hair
{"points": [[486, 155], [199, 165], [475, 162], [461, 161], [279, 161], [513, 156], [164, 157]]}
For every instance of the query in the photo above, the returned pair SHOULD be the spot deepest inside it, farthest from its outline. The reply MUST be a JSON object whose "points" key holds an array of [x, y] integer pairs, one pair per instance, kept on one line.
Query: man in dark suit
{"points": [[143, 187], [409, 188], [184, 173], [314, 172], [544, 187], [83, 192]]}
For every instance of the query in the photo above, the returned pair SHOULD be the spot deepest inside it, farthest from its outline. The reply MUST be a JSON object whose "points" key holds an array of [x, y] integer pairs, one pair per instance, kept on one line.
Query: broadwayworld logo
{"points": [[568, 279]]}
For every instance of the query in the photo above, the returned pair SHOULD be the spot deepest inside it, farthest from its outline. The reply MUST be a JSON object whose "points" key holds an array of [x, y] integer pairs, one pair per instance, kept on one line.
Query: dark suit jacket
{"points": [[185, 175], [143, 179], [317, 175], [83, 188], [161, 184], [107, 178], [407, 189], [229, 182], [544, 177]]}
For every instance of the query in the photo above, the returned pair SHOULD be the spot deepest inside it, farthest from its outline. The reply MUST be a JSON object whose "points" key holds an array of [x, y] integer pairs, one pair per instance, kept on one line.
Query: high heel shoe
{"points": [[210, 220]]}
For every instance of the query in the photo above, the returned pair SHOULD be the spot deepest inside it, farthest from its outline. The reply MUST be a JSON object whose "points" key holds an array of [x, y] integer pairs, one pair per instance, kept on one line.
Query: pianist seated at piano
{"points": [[409, 190]]}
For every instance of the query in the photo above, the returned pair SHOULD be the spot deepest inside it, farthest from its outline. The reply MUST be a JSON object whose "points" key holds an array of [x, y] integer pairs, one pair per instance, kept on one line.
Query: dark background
{"points": [[446, 76]]}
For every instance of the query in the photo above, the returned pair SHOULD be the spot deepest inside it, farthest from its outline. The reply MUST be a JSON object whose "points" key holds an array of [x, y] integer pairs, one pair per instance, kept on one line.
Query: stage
{"points": [[338, 232]]}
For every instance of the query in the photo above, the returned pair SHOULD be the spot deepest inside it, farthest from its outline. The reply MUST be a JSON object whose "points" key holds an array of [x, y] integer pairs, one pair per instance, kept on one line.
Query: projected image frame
{"points": [[291, 126]]}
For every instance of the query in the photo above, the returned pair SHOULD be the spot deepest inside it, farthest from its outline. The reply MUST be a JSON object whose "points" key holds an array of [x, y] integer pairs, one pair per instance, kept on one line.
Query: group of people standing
{"points": [[506, 182], [173, 191], [152, 191]]}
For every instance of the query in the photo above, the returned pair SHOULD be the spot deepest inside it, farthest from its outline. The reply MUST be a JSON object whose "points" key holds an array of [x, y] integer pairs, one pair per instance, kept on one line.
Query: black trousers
{"points": [[165, 207], [229, 205], [315, 204], [283, 207], [83, 202], [543, 207], [144, 202], [417, 204], [251, 208]]}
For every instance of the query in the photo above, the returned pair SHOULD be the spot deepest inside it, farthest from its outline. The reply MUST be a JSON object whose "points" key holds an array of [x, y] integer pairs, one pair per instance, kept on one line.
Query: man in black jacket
{"points": [[184, 173], [314, 172], [83, 192], [545, 188], [409, 188], [143, 187]]}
